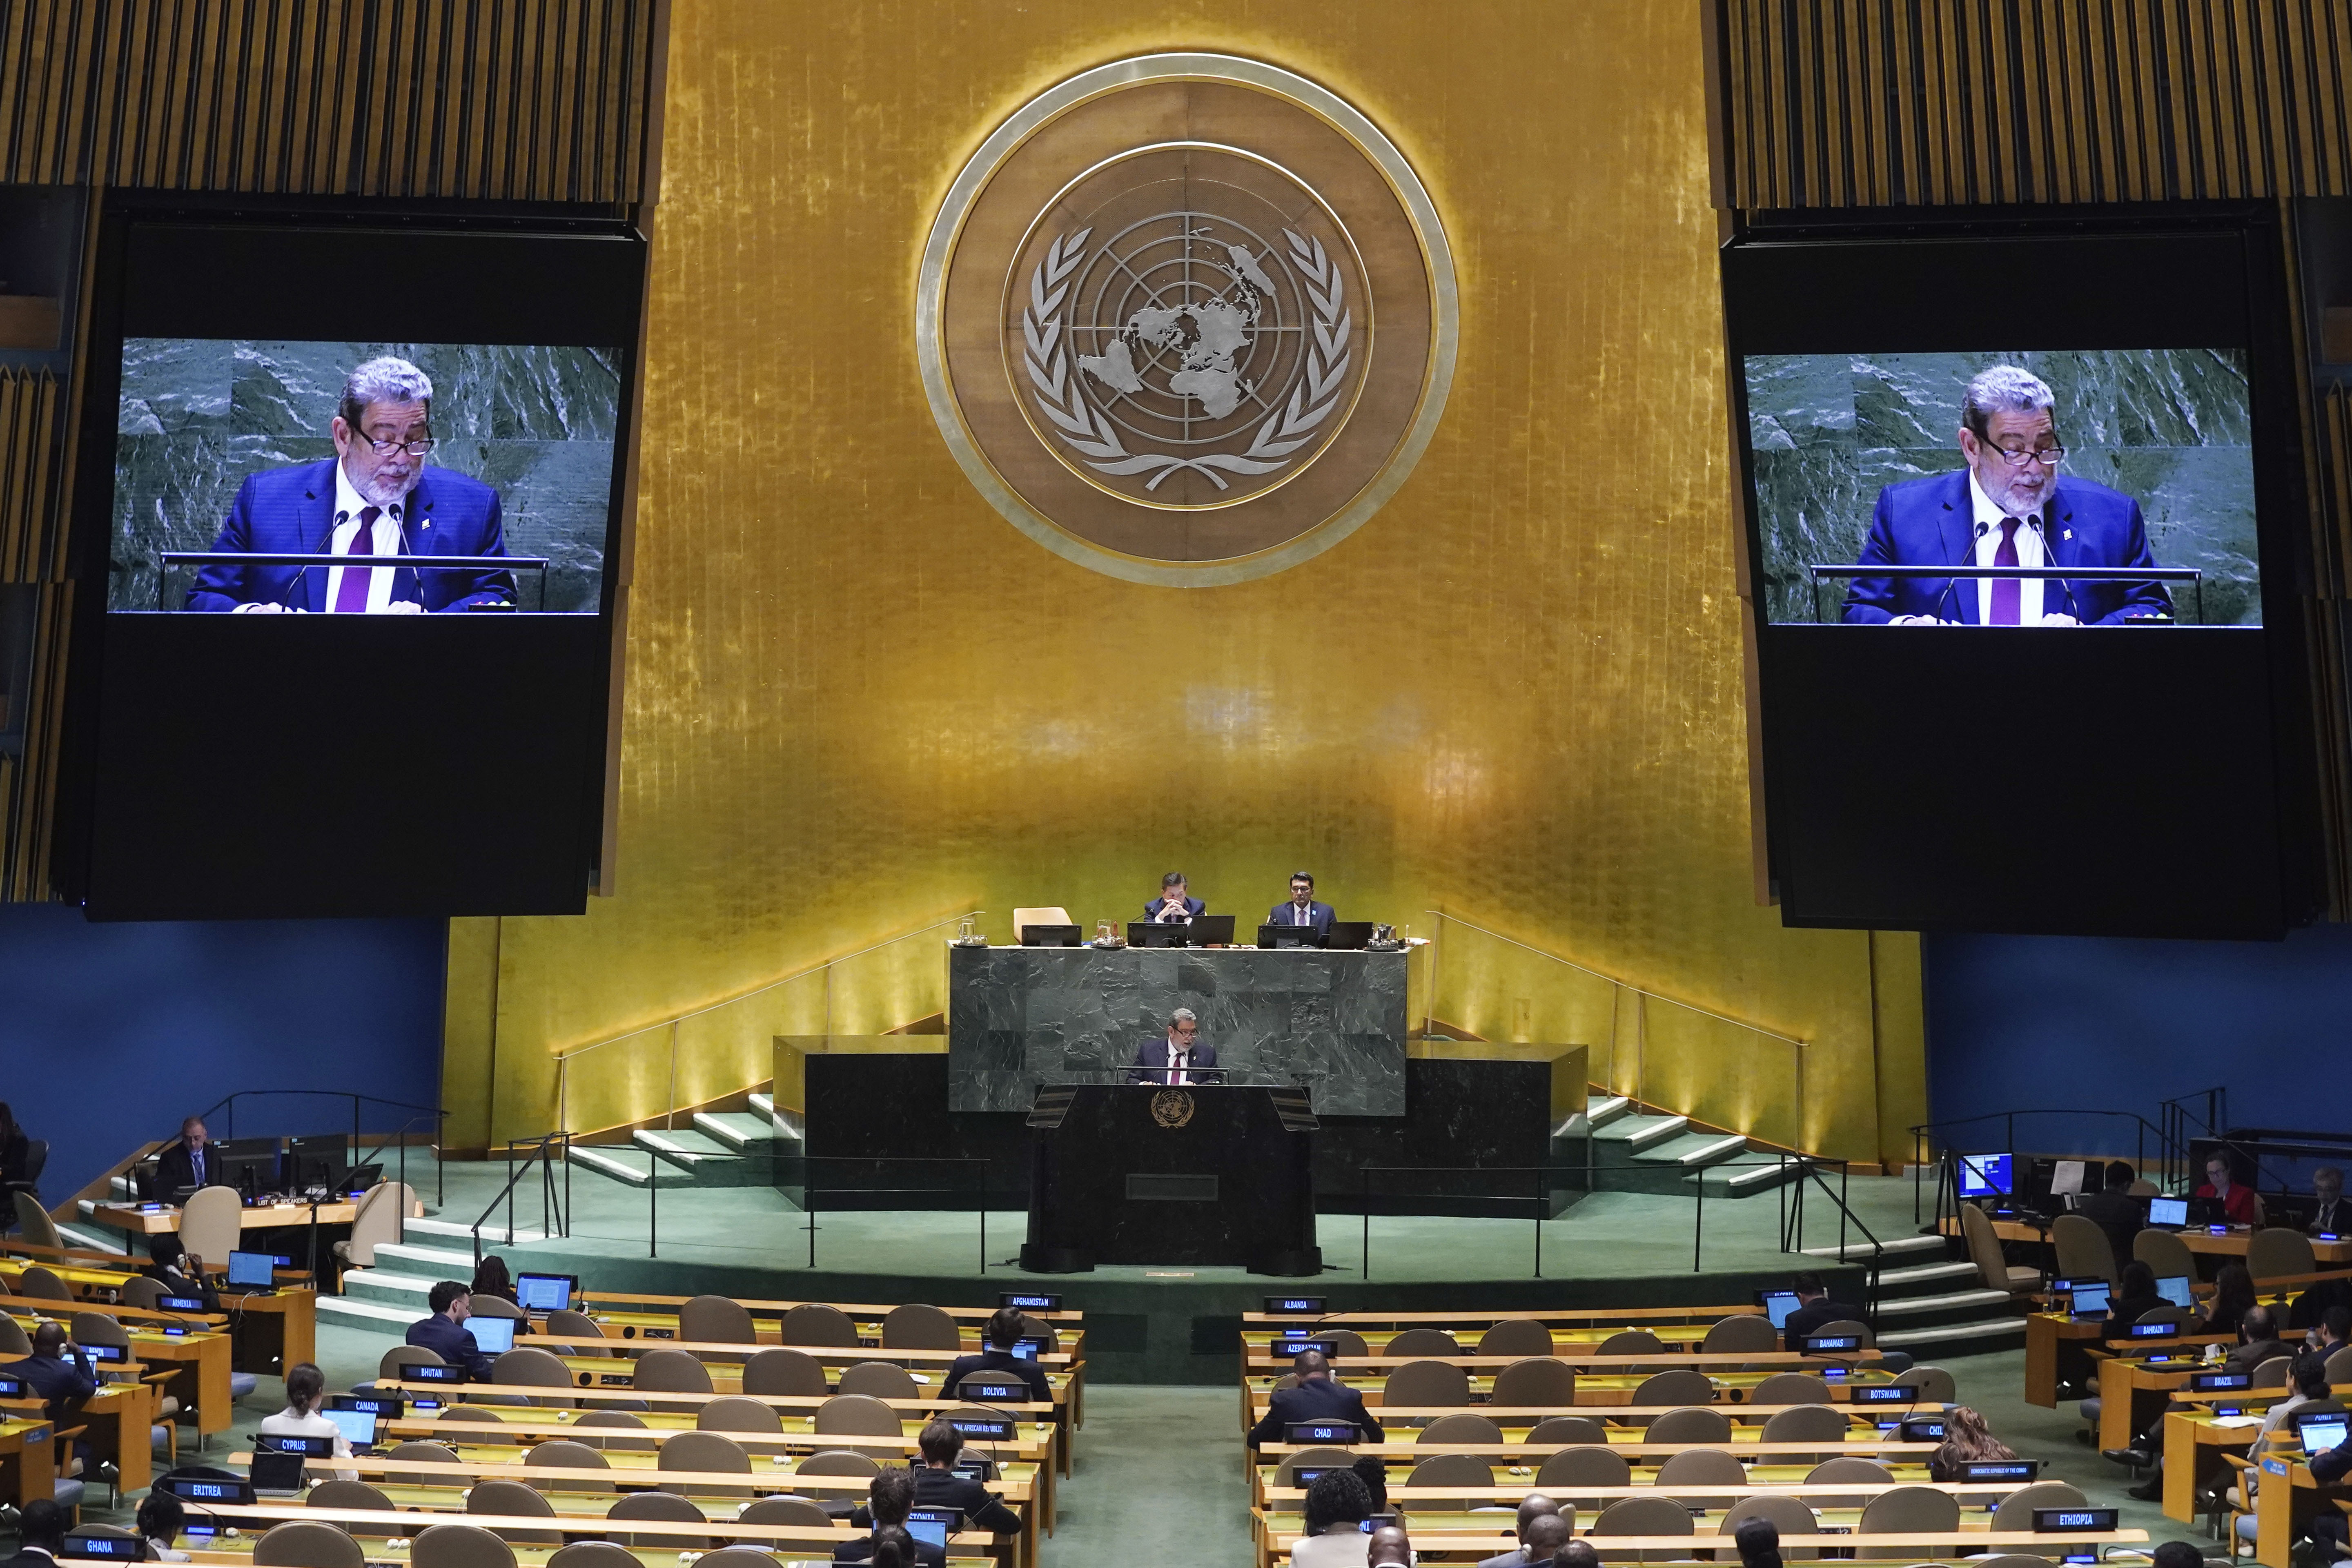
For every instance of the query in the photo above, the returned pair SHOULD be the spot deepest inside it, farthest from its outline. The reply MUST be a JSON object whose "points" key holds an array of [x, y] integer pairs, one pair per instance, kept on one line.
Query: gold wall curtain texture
{"points": [[856, 698], [1887, 102], [518, 99]]}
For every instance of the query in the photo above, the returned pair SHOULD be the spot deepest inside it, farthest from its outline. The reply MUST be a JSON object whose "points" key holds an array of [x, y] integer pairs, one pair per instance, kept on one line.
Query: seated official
{"points": [[178, 1270], [1301, 910], [305, 1392], [2328, 1335], [443, 1333], [1334, 1535], [2233, 1296], [1393, 1548], [58, 1372], [2331, 1213], [1181, 1057], [160, 1519], [2240, 1203], [890, 1498], [2112, 1208], [2135, 1294], [1967, 1441], [1815, 1311], [1003, 1332], [1174, 906], [187, 1162], [40, 1534], [1532, 1507], [1316, 1396], [937, 1485], [1760, 1543]]}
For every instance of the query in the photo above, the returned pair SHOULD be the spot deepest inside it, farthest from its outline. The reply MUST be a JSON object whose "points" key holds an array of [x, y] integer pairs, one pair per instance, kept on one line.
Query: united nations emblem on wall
{"points": [[1171, 1108], [1187, 319]]}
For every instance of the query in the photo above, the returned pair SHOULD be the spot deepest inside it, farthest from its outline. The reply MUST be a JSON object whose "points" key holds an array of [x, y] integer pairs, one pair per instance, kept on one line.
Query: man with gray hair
{"points": [[2008, 507], [372, 499], [1179, 1058]]}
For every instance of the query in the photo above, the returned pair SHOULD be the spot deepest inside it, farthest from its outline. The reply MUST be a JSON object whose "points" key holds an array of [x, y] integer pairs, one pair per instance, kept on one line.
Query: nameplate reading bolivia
{"points": [[1187, 319]]}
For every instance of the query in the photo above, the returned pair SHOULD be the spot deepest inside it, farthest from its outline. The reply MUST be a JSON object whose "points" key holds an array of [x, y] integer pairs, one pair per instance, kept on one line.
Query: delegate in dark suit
{"points": [[61, 1384], [861, 1549], [1193, 909], [1313, 1399], [1931, 521], [178, 1167], [1006, 1365], [935, 1488], [1287, 913], [1810, 1318], [1151, 1063], [292, 512], [452, 1343]]}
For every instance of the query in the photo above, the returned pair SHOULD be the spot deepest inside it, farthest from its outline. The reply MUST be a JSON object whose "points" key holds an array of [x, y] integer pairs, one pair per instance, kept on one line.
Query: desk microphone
{"points": [[1951, 583], [2050, 558]]}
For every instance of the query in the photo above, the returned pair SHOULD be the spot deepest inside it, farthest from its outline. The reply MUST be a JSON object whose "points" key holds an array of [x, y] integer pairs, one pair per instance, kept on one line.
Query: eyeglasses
{"points": [[415, 448], [2048, 457]]}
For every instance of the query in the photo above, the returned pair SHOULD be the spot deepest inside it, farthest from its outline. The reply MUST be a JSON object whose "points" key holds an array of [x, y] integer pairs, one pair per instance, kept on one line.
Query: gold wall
{"points": [[857, 700]]}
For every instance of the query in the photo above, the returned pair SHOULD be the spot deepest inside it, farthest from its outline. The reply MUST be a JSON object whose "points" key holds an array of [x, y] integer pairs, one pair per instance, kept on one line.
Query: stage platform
{"points": [[1174, 1325]]}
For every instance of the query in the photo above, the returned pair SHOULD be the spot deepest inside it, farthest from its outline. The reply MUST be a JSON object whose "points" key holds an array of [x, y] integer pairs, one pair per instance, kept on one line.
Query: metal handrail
{"points": [[440, 1190], [2168, 1154], [543, 1153]]}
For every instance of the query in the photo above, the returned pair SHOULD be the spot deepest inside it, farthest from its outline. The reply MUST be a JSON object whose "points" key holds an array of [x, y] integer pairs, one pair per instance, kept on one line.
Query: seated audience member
{"points": [[2306, 1396], [2180, 1554], [178, 1270], [1577, 1553], [1337, 1507], [1374, 1473], [2259, 1342], [1760, 1543], [2239, 1204], [490, 1278], [2233, 1293], [1967, 1441], [937, 1485], [15, 1150], [40, 1532], [1532, 1507], [306, 1390], [2113, 1210], [1319, 1396], [1546, 1541], [1003, 1332], [1391, 1548], [2135, 1294], [443, 1333], [889, 1498], [58, 1372], [1815, 1310], [160, 1520], [892, 1547], [2258, 1339], [2333, 1331], [188, 1160], [2331, 1213], [2329, 1470]]}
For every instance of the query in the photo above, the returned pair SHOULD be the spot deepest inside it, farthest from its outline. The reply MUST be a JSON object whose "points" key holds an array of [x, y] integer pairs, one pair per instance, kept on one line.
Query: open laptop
{"points": [[2321, 1433], [358, 1428], [2174, 1288], [2167, 1214], [252, 1273], [2090, 1301], [276, 1475], [1353, 936], [492, 1336], [1778, 1306], [546, 1292], [934, 1524]]}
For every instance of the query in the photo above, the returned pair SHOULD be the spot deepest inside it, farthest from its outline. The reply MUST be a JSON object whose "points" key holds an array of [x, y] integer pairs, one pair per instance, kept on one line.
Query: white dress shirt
{"points": [[385, 539], [1299, 913], [287, 1424], [1179, 1058], [2029, 554]]}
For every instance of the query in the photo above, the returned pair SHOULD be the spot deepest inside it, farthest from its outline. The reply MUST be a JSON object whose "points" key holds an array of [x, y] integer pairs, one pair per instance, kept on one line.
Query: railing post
{"points": [[652, 1205], [1366, 1172], [1539, 1219], [669, 1106]]}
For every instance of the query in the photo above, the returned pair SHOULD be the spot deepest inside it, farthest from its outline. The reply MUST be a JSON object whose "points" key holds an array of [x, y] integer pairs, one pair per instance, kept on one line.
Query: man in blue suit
{"points": [[1316, 1396], [1174, 906], [372, 498], [1301, 910], [443, 1333], [1181, 1058], [2007, 508]]}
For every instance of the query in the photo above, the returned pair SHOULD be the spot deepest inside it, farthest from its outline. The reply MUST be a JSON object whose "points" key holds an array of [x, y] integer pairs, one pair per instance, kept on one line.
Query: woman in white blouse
{"points": [[306, 1387]]}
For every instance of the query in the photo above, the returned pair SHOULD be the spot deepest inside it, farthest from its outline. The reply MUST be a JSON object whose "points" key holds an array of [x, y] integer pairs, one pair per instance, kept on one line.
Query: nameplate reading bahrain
{"points": [[1187, 319]]}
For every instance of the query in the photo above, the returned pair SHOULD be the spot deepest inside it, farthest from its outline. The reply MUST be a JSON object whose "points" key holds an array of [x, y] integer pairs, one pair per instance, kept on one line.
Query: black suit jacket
{"points": [[1313, 1399], [174, 1169], [62, 1384], [1151, 1062], [981, 1510], [862, 1548], [1808, 1318], [1005, 1362], [175, 1283], [1193, 910], [1286, 913], [2247, 1357], [2338, 1218]]}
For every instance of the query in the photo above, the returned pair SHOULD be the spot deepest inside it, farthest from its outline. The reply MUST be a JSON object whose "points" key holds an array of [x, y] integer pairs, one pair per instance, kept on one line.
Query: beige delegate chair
{"points": [[211, 1224], [377, 1221], [1984, 1250], [1046, 915], [2083, 1250]]}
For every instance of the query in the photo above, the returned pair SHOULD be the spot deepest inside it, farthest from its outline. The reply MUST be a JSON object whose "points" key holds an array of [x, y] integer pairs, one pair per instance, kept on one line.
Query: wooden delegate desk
{"points": [[2235, 1241], [268, 1333], [1485, 1541], [2059, 1350], [2286, 1499], [798, 1541], [1522, 1460], [1032, 1442], [1614, 1393], [199, 1364], [236, 1551], [28, 1462], [1601, 1320], [719, 1495], [141, 1220], [2194, 1441], [2123, 1378], [117, 1422]]}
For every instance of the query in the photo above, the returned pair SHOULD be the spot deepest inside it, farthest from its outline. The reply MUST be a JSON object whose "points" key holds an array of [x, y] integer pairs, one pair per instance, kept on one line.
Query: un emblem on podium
{"points": [[1187, 319], [1171, 1108]]}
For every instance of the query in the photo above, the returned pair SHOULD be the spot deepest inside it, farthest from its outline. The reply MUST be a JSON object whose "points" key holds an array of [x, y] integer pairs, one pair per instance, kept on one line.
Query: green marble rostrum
{"points": [[2168, 428], [198, 415]]}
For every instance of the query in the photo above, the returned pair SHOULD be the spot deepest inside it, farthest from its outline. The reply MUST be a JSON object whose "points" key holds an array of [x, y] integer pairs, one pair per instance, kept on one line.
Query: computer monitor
{"points": [[1778, 1306], [1984, 1175], [1152, 933], [2174, 1288], [1289, 936], [492, 1336], [2090, 1299], [934, 1525], [2168, 1212], [319, 1160], [546, 1292], [249, 1165], [252, 1270], [1052, 936], [1352, 936], [358, 1426], [1213, 930], [2321, 1433], [1029, 1347]]}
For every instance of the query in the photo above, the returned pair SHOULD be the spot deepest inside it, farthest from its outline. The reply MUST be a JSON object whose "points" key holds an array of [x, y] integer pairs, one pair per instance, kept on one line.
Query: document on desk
{"points": [[2237, 1421]]}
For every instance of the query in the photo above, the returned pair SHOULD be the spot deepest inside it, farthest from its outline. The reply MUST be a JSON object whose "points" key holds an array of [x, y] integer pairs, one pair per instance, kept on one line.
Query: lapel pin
{"points": [[2067, 534]]}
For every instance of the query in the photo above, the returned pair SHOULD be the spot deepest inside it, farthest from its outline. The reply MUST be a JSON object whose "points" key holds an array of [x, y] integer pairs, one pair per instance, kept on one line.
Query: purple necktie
{"points": [[351, 599], [2005, 589]]}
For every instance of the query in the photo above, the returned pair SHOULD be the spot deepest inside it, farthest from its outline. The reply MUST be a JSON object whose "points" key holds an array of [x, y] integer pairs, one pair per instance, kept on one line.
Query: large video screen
{"points": [[2093, 464], [248, 452]]}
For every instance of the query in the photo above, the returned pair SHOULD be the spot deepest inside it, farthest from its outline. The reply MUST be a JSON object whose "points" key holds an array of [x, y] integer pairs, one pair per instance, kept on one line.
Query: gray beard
{"points": [[377, 493]]}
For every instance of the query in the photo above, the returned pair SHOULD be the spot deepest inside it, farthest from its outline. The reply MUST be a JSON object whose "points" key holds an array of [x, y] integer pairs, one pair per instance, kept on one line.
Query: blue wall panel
{"points": [[2018, 1022], [110, 1032]]}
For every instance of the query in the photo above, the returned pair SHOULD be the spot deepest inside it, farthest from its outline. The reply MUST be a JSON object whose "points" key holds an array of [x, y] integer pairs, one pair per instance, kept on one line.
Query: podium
{"points": [[1216, 1175]]}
